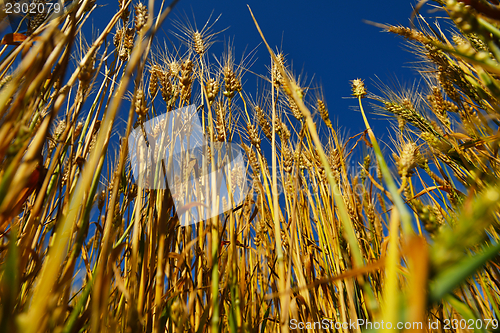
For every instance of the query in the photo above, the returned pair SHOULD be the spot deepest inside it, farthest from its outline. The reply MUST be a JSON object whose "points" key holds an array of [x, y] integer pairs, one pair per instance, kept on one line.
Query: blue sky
{"points": [[327, 41]]}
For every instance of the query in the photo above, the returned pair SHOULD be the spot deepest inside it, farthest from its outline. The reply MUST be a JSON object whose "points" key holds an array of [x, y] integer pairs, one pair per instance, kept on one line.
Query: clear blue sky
{"points": [[327, 40]]}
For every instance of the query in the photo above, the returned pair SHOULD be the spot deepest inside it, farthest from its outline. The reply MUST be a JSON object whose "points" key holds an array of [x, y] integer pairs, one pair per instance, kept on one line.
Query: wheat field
{"points": [[334, 233]]}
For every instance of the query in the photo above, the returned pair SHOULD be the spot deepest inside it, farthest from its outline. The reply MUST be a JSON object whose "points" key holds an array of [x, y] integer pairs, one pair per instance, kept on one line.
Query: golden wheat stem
{"points": [[398, 201]]}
